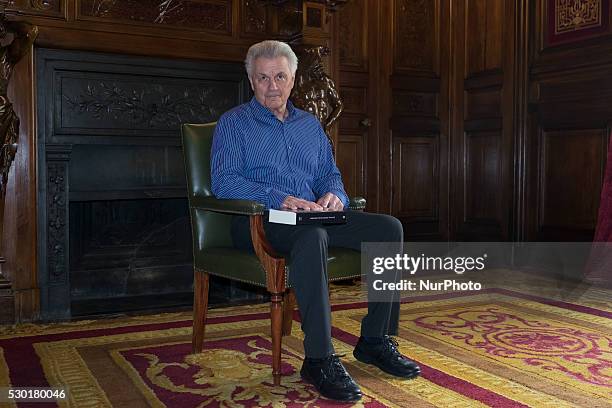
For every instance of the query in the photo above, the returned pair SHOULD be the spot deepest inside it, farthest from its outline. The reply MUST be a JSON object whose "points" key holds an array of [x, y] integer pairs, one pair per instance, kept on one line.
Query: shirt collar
{"points": [[261, 111]]}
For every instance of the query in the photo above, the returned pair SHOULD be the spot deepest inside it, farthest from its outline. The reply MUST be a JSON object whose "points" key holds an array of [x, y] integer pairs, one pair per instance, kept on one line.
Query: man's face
{"points": [[272, 82]]}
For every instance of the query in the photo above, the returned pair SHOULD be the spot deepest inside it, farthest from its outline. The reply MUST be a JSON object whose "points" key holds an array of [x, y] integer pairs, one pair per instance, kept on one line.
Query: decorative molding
{"points": [[158, 105], [330, 5], [290, 20], [314, 90], [57, 213], [189, 14], [415, 43], [5, 284], [10, 54], [46, 4], [254, 16]]}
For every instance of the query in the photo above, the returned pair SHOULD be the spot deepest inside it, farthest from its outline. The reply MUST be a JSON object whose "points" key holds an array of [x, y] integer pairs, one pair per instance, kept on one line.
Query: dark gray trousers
{"points": [[306, 246]]}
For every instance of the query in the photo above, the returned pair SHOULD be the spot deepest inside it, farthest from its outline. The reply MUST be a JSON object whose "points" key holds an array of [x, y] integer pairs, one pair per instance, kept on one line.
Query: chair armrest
{"points": [[240, 207], [357, 203]]}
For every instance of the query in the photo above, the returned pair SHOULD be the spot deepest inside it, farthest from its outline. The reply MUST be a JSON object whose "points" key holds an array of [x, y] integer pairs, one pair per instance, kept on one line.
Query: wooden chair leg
{"points": [[288, 306], [276, 318], [200, 307]]}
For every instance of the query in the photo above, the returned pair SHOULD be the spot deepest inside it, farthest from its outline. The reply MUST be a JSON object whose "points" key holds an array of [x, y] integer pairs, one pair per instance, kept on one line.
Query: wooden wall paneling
{"points": [[520, 49], [419, 117], [590, 50], [417, 170], [349, 158], [20, 232], [356, 153], [572, 164], [197, 29], [484, 36], [350, 147], [416, 31], [444, 115], [569, 119], [46, 8], [213, 16], [353, 36], [253, 19], [383, 92], [481, 175]]}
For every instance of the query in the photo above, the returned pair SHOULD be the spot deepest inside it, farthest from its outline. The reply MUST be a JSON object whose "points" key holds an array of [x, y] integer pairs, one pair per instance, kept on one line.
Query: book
{"points": [[301, 217]]}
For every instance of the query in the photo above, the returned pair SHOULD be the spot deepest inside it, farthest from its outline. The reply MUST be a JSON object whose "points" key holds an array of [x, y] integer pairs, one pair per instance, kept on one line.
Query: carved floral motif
{"points": [[184, 13], [254, 17], [157, 106], [56, 220]]}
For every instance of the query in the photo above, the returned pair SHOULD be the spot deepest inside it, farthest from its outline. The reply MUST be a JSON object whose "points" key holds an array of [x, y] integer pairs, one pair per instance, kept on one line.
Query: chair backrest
{"points": [[197, 142], [209, 229]]}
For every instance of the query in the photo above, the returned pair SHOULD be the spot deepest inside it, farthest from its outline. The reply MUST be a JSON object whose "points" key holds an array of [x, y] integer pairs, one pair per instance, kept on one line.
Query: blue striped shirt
{"points": [[257, 157]]}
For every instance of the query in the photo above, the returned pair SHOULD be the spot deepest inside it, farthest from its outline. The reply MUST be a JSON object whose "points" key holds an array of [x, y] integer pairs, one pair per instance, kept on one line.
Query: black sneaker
{"points": [[330, 378], [387, 357]]}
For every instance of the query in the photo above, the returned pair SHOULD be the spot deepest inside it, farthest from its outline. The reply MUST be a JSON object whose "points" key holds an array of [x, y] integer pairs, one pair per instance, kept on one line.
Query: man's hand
{"points": [[331, 202], [294, 203]]}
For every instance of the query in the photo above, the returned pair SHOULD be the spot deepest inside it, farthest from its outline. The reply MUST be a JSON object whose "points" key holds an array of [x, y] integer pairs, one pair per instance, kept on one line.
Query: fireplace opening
{"points": [[131, 255]]}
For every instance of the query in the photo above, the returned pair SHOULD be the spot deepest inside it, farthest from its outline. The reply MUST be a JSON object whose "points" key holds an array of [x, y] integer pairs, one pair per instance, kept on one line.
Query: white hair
{"points": [[270, 49]]}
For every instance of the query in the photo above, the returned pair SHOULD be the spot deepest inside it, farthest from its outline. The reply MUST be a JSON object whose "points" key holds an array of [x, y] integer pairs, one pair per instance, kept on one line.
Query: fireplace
{"points": [[115, 232]]}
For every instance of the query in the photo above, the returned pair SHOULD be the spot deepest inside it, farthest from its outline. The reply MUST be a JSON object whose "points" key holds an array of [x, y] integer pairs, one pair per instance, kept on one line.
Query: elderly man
{"points": [[268, 151]]}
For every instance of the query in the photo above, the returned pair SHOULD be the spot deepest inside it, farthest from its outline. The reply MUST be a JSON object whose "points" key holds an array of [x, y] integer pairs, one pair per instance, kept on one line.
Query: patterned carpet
{"points": [[502, 347]]}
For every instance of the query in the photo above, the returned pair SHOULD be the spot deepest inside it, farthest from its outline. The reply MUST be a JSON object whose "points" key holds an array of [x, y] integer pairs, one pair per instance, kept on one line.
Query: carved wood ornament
{"points": [[15, 41], [314, 90]]}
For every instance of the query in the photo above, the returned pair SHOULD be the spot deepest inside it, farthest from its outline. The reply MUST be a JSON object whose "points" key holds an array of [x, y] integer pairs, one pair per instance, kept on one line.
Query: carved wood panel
{"points": [[352, 33], [423, 104], [50, 8], [207, 15], [354, 99], [97, 102], [416, 35], [253, 16]]}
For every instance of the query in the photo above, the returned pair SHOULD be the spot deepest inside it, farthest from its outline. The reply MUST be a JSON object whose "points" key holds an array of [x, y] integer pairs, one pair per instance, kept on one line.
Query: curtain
{"points": [[599, 267]]}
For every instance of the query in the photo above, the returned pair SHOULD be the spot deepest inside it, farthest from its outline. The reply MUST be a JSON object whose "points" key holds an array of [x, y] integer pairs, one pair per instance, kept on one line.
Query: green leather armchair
{"points": [[214, 254]]}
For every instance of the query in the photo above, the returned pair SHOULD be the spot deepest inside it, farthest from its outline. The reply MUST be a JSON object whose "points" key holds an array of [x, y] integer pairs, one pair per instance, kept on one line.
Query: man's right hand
{"points": [[294, 203]]}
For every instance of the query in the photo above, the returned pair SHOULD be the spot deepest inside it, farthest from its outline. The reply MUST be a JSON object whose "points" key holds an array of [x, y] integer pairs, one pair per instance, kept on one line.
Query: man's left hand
{"points": [[331, 202]]}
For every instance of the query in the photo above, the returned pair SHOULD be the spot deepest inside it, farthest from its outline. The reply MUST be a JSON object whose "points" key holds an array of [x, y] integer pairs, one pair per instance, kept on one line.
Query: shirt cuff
{"points": [[342, 196], [276, 198]]}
